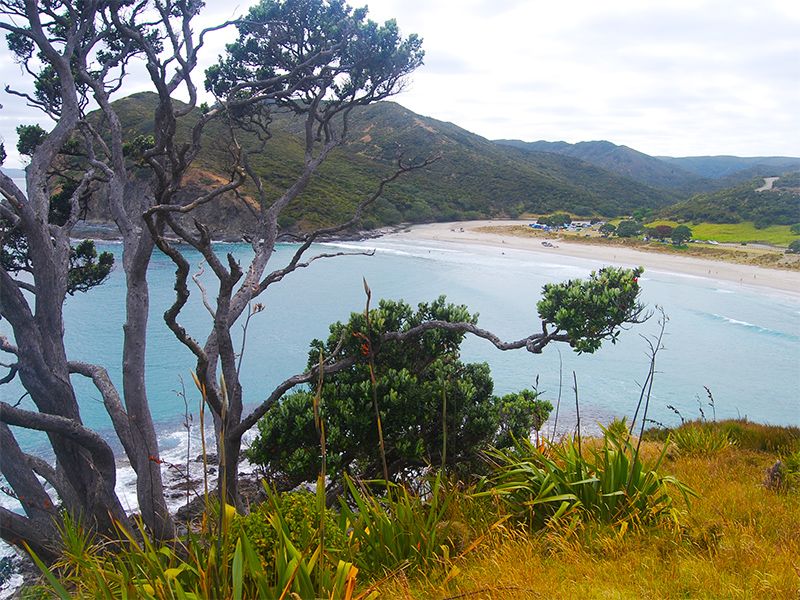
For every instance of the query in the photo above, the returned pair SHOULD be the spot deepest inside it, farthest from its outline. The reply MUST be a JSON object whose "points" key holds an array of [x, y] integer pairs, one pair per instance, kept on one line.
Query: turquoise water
{"points": [[741, 343]]}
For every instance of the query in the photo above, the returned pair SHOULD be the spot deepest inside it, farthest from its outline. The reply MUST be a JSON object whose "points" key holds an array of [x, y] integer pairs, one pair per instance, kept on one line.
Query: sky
{"points": [[665, 77]]}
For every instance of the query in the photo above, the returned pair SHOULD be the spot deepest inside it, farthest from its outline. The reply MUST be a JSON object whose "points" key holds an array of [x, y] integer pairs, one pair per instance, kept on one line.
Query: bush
{"points": [[216, 562], [627, 229], [794, 247], [700, 440], [399, 528], [434, 408], [741, 432], [608, 484], [300, 513]]}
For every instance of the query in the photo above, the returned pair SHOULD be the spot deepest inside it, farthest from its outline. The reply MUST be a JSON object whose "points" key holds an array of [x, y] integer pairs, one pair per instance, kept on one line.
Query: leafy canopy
{"points": [[296, 51], [423, 389], [594, 309], [681, 234]]}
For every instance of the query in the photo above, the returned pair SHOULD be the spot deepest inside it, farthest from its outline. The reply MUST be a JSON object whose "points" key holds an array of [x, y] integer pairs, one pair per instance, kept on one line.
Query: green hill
{"points": [[777, 206], [474, 177], [718, 167], [623, 161]]}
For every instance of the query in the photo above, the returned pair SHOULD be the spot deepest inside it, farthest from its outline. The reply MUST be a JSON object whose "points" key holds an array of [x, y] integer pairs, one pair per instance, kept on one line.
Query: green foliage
{"points": [[681, 234], [794, 247], [3, 154], [592, 310], [790, 466], [606, 229], [218, 561], [555, 220], [627, 229], [399, 529], [661, 232], [742, 433], [86, 268], [347, 55], [425, 394], [136, 147], [795, 229], [610, 483], [700, 440], [300, 515], [740, 203], [618, 427], [520, 413], [763, 438], [30, 137]]}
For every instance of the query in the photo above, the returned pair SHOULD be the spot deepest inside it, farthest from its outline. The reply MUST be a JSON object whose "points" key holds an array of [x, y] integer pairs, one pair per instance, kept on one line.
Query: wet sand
{"points": [[787, 282]]}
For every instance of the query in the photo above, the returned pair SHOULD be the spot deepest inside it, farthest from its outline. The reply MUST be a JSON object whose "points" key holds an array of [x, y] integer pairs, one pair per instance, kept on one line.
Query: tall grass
{"points": [[610, 483]]}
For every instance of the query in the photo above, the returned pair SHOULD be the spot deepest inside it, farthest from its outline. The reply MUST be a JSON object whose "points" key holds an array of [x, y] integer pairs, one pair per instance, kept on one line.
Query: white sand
{"points": [[779, 280]]}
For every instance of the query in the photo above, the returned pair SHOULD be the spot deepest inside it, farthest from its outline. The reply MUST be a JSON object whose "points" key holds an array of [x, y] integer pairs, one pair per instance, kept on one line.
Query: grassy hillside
{"points": [[735, 233], [737, 539], [474, 177], [778, 206]]}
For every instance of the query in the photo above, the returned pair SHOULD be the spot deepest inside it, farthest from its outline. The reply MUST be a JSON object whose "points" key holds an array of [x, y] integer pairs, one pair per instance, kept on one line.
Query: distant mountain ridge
{"points": [[718, 167], [685, 175], [623, 161], [473, 177]]}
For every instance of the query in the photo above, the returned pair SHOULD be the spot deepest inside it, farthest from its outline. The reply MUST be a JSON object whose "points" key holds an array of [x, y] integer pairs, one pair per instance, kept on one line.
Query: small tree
{"points": [[681, 234], [628, 229], [606, 229], [556, 220], [661, 232], [420, 384], [434, 409], [794, 247]]}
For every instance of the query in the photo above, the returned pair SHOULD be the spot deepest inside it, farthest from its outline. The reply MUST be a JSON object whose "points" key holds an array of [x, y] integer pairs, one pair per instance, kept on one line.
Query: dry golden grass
{"points": [[738, 540]]}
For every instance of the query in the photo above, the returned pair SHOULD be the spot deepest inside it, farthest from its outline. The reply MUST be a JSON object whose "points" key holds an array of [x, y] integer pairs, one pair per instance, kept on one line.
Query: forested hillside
{"points": [[473, 177], [623, 161], [777, 206]]}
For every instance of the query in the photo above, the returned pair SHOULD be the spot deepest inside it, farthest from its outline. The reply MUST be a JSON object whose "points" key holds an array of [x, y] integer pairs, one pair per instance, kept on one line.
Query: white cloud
{"points": [[667, 77]]}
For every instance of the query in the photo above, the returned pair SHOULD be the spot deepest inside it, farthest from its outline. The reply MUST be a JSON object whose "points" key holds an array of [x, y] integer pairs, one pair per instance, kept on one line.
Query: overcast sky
{"points": [[666, 77]]}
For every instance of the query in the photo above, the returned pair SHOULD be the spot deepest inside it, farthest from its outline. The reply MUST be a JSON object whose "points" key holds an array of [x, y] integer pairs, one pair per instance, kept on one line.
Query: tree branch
{"points": [[534, 343]]}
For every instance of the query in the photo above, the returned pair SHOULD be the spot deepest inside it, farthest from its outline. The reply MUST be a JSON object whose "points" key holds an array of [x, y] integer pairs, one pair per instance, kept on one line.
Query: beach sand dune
{"points": [[468, 232]]}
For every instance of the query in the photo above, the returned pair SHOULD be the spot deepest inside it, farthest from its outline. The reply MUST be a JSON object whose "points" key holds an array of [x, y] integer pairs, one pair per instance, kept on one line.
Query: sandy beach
{"points": [[787, 282]]}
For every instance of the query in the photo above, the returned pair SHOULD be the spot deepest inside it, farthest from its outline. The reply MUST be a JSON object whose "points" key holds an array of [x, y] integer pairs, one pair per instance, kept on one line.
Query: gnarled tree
{"points": [[316, 59]]}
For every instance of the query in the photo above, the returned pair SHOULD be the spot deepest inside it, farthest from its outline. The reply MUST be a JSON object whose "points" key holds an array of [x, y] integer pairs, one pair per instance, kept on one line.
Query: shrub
{"points": [[741, 432], [300, 513], [400, 529], [794, 247], [609, 484], [435, 409], [700, 440], [217, 562]]}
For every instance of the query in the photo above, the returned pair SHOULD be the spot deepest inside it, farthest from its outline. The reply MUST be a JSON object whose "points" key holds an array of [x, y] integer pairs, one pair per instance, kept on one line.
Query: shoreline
{"points": [[467, 233]]}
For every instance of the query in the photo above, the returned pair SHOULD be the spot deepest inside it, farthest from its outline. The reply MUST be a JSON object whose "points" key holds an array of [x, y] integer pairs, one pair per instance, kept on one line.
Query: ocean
{"points": [[740, 342]]}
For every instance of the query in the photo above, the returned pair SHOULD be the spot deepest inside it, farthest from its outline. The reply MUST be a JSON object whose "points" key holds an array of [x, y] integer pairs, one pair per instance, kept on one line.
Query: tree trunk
{"points": [[146, 462]]}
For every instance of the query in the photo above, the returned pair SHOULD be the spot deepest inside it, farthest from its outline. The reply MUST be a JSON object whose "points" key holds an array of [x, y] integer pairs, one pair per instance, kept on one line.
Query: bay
{"points": [[741, 343]]}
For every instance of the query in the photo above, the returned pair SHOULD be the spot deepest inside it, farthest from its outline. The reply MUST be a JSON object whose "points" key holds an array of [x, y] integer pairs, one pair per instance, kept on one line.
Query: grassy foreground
{"points": [[697, 512], [738, 539]]}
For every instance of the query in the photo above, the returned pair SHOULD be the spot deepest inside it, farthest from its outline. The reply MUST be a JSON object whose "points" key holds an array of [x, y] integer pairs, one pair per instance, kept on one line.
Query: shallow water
{"points": [[742, 343]]}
